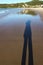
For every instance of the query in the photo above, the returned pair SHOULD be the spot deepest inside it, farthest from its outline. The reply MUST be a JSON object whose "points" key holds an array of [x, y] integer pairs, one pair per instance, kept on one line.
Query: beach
{"points": [[12, 28], [38, 11]]}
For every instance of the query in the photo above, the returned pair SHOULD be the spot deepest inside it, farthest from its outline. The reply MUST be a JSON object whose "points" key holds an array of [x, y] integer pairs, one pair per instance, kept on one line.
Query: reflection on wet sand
{"points": [[27, 11], [11, 39]]}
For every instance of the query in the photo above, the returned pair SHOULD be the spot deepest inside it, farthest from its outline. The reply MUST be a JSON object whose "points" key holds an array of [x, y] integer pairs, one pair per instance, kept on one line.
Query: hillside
{"points": [[17, 5]]}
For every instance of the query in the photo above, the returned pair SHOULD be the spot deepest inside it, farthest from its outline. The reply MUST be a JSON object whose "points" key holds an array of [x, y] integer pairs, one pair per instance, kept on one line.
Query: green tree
{"points": [[35, 0]]}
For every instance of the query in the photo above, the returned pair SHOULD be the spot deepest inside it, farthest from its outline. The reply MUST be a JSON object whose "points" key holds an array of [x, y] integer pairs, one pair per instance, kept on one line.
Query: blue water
{"points": [[10, 10], [3, 9], [8, 16]]}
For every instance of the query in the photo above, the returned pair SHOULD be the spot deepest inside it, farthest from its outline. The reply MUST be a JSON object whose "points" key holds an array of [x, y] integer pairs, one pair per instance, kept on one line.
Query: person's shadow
{"points": [[27, 40]]}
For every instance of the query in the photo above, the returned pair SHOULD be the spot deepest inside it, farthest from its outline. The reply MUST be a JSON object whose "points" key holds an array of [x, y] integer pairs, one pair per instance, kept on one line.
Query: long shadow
{"points": [[27, 40]]}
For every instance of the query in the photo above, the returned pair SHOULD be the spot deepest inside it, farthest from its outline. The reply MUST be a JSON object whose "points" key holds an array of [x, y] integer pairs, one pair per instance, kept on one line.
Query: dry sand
{"points": [[11, 42]]}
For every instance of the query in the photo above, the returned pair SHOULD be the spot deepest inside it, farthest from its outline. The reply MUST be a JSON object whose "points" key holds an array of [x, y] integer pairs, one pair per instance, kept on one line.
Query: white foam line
{"points": [[3, 13]]}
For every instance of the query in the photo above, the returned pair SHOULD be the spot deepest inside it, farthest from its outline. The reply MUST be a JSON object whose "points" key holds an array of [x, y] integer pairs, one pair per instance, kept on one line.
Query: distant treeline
{"points": [[20, 4], [35, 3]]}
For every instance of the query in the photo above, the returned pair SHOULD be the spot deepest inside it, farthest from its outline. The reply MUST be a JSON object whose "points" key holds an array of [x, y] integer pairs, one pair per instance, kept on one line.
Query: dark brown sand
{"points": [[11, 43]]}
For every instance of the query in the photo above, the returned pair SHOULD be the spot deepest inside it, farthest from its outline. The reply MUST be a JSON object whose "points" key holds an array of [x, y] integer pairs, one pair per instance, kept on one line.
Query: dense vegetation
{"points": [[17, 5], [35, 3]]}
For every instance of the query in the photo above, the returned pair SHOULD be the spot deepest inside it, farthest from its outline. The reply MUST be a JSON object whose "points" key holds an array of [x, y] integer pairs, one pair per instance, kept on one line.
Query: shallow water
{"points": [[10, 10]]}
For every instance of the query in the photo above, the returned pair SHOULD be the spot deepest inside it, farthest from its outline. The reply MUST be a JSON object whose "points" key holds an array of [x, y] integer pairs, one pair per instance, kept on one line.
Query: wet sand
{"points": [[11, 39], [38, 11]]}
